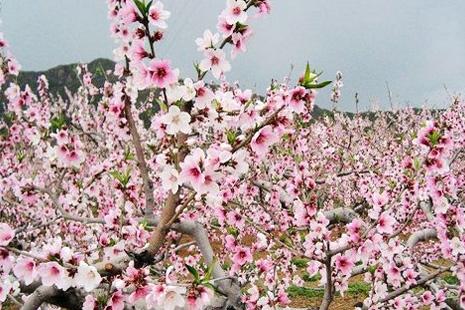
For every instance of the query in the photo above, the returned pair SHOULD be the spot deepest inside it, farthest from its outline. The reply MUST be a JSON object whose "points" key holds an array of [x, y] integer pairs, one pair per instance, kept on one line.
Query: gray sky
{"points": [[416, 45]]}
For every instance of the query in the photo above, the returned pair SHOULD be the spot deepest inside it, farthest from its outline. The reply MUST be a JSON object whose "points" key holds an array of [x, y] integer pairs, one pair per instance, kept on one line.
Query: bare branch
{"points": [[143, 168], [40, 295], [420, 236], [340, 215], [405, 289]]}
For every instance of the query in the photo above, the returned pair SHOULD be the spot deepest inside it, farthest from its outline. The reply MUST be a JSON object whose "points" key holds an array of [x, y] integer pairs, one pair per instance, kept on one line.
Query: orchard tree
{"points": [[211, 204]]}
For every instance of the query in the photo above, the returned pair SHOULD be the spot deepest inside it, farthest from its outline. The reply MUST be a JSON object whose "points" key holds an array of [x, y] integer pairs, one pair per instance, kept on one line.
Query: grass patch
{"points": [[296, 291], [307, 278], [451, 279], [359, 288], [300, 262]]}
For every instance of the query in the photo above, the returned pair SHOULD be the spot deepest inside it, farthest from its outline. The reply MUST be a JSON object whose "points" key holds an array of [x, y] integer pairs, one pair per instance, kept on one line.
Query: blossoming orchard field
{"points": [[159, 191]]}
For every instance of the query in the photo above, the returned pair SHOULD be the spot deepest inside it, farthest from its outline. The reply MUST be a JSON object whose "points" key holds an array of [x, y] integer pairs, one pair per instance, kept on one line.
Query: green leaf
{"points": [[141, 6], [4, 132], [57, 123], [144, 223], [20, 155], [147, 7], [122, 177], [231, 135], [197, 69], [434, 137], [162, 105], [193, 272], [79, 183], [128, 155], [417, 164], [308, 73], [215, 222], [209, 272], [216, 104], [211, 286], [318, 85], [9, 118], [233, 231], [309, 76]]}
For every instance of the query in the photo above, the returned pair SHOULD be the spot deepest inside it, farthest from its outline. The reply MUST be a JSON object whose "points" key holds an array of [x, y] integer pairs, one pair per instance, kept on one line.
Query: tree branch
{"points": [[405, 289], [143, 168], [420, 236], [40, 295]]}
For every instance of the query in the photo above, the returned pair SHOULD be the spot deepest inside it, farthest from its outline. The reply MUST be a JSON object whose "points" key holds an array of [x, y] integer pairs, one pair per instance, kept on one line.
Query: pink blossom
{"points": [[155, 295], [238, 40], [170, 179], [158, 16], [394, 274], [427, 298], [137, 50], [215, 61], [264, 265], [230, 243], [116, 301], [262, 140], [209, 184], [297, 99], [386, 224], [129, 12], [5, 288], [191, 168], [242, 256], [140, 293], [25, 270], [6, 234], [204, 96], [199, 297], [87, 277], [235, 219], [172, 298], [225, 27], [235, 12], [52, 273], [380, 200], [13, 67], [157, 74], [209, 40], [264, 8], [176, 121], [344, 264], [90, 303]]}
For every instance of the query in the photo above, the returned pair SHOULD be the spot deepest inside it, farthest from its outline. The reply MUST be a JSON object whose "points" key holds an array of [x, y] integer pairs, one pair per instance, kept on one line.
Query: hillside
{"points": [[65, 76]]}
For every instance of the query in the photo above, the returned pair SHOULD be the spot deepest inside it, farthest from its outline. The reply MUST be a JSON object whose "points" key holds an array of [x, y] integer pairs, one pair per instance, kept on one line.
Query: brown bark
{"points": [[169, 211], [143, 168]]}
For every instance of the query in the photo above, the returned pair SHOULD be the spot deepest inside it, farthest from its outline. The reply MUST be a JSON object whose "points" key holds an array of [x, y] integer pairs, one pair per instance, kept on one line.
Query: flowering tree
{"points": [[209, 205]]}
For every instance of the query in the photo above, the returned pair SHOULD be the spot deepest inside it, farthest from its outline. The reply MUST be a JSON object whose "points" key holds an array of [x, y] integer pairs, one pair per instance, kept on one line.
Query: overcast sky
{"points": [[417, 46]]}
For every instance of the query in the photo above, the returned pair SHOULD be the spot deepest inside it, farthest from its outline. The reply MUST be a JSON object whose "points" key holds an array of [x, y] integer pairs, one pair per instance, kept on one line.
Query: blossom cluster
{"points": [[229, 187]]}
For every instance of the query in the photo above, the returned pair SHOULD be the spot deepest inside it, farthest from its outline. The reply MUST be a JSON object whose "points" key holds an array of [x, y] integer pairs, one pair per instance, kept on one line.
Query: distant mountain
{"points": [[66, 76]]}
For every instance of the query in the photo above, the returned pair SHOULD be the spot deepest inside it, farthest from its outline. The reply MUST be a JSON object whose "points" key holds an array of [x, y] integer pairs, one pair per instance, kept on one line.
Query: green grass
{"points": [[307, 278], [296, 291], [451, 280], [359, 288], [300, 262]]}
